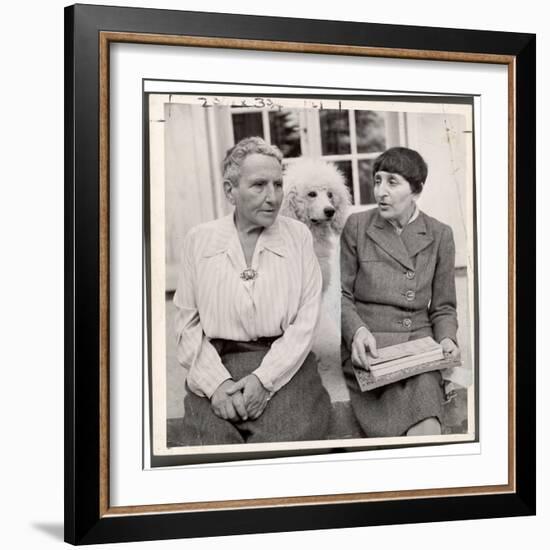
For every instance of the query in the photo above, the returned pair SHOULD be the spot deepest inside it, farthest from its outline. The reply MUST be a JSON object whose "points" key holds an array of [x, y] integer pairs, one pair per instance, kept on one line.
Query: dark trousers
{"points": [[299, 411]]}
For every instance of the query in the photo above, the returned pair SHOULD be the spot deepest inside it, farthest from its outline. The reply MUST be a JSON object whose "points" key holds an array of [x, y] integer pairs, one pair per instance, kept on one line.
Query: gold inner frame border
{"points": [[105, 40]]}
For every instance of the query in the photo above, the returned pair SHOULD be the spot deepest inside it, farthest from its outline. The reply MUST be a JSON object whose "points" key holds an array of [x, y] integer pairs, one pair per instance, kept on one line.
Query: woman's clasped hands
{"points": [[239, 401]]}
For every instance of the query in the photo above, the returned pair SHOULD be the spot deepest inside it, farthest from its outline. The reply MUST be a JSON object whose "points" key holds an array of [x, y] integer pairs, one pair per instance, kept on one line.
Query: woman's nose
{"points": [[270, 192], [381, 190]]}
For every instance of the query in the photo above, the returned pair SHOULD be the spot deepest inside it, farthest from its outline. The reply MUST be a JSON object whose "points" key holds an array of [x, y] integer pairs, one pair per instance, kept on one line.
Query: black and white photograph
{"points": [[311, 271], [299, 273]]}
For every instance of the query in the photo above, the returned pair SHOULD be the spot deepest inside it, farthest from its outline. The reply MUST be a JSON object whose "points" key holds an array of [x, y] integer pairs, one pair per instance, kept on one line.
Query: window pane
{"points": [[247, 125], [365, 181], [335, 138], [371, 131], [345, 167], [284, 127]]}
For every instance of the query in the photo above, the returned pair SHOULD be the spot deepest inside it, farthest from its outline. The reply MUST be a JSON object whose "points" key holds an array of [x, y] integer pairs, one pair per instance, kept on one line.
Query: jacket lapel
{"points": [[384, 235], [417, 236]]}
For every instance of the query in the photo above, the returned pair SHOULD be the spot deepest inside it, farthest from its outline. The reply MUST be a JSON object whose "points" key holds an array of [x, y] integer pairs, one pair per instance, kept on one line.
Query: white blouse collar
{"points": [[225, 237]]}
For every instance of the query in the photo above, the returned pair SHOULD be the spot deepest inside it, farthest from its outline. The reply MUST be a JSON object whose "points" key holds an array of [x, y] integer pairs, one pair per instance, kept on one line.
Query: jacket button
{"points": [[410, 295], [407, 323], [410, 274]]}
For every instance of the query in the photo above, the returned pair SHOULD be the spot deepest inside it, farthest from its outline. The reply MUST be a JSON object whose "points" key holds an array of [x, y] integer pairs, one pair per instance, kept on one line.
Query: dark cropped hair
{"points": [[405, 162], [247, 146]]}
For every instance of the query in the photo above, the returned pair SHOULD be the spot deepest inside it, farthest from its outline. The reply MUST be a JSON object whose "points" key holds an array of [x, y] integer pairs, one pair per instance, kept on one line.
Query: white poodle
{"points": [[316, 194]]}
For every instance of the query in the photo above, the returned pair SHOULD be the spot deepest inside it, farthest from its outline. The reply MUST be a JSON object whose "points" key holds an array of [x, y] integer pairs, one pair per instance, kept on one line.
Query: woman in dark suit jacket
{"points": [[397, 268]]}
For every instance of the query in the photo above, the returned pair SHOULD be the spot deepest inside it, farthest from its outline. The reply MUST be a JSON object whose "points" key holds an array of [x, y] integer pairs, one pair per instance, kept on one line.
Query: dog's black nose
{"points": [[329, 212]]}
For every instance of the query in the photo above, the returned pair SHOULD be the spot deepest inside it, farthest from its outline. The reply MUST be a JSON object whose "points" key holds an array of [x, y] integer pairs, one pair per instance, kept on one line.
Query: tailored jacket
{"points": [[401, 287]]}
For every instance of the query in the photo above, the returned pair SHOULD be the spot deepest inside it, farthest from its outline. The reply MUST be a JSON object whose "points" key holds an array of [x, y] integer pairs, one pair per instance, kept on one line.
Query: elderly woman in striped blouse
{"points": [[248, 299]]}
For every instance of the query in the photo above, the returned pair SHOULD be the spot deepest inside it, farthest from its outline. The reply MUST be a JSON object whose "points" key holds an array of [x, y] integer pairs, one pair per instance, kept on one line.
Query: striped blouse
{"points": [[213, 301]]}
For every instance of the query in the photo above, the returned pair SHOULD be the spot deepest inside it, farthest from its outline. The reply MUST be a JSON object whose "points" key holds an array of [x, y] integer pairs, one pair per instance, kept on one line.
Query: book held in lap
{"points": [[402, 361]]}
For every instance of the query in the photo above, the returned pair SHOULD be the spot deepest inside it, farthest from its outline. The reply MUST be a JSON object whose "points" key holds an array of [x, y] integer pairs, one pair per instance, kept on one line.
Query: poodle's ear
{"points": [[342, 204], [293, 205]]}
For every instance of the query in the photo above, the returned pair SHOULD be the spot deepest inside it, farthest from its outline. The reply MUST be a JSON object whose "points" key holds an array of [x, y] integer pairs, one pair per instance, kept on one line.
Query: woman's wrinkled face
{"points": [[259, 193], [394, 196]]}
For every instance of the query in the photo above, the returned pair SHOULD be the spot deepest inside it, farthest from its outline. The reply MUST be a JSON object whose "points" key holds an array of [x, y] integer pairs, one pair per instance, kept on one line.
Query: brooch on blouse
{"points": [[249, 274]]}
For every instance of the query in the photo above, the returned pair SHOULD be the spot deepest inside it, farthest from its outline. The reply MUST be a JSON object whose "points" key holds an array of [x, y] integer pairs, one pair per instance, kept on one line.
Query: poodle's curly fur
{"points": [[316, 194]]}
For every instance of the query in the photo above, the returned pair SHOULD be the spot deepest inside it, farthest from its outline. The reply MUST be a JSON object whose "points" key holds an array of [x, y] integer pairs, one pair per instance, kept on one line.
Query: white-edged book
{"points": [[402, 361]]}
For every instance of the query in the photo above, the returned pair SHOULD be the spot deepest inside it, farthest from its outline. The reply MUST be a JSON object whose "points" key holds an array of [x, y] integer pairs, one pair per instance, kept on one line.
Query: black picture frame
{"points": [[88, 517]]}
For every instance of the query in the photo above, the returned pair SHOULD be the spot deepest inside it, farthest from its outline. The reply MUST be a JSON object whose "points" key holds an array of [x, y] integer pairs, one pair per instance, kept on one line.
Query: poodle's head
{"points": [[316, 194]]}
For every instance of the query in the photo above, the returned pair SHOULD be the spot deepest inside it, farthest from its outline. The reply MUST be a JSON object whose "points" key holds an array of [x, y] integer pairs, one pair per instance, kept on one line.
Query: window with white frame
{"points": [[349, 138]]}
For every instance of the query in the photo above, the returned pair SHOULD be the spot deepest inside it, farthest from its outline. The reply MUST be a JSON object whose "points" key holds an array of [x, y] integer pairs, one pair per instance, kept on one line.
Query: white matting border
{"points": [[485, 463]]}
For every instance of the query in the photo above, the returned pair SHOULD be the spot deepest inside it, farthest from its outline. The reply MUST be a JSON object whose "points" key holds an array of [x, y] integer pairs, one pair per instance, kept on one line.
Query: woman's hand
{"points": [[363, 341], [254, 394], [450, 349], [227, 406]]}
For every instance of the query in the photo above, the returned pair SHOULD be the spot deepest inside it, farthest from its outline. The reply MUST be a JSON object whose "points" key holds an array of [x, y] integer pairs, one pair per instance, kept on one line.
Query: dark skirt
{"points": [[299, 411], [391, 410]]}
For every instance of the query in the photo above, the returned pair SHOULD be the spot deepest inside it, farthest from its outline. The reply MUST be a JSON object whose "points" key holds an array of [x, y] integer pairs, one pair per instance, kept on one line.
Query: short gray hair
{"points": [[238, 153]]}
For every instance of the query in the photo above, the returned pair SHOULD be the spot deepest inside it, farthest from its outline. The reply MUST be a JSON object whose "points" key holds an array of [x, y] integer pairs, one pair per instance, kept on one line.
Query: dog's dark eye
{"points": [[329, 194], [312, 194]]}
